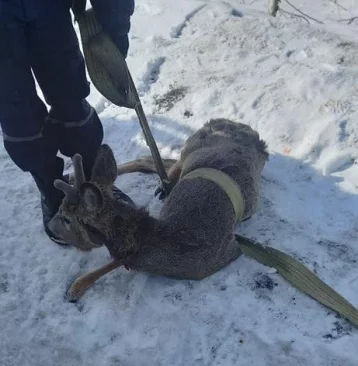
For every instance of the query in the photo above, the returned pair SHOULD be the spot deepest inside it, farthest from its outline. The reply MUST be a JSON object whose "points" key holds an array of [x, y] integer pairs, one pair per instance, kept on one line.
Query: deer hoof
{"points": [[160, 192], [75, 292]]}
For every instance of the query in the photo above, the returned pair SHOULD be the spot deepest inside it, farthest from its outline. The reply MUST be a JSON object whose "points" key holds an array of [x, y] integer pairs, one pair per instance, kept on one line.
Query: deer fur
{"points": [[193, 237]]}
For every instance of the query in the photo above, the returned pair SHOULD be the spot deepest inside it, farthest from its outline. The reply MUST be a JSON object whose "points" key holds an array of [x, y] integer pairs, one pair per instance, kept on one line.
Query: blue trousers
{"points": [[37, 38]]}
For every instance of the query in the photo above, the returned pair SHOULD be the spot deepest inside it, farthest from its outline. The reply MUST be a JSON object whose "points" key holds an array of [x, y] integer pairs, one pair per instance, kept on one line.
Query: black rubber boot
{"points": [[51, 197]]}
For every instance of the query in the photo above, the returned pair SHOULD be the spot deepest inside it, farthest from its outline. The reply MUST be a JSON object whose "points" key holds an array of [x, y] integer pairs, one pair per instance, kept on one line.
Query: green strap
{"points": [[300, 277], [225, 182], [110, 75], [291, 269], [106, 66]]}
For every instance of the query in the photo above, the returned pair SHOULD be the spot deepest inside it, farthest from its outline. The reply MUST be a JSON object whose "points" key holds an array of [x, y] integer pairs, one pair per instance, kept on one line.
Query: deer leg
{"points": [[143, 165], [82, 283], [174, 171]]}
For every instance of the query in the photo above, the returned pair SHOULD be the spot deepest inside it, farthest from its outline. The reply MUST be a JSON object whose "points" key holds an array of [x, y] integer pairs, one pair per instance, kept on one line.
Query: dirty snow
{"points": [[297, 84]]}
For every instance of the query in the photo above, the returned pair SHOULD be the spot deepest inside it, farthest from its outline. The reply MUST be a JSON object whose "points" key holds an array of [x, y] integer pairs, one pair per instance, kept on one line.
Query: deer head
{"points": [[85, 213]]}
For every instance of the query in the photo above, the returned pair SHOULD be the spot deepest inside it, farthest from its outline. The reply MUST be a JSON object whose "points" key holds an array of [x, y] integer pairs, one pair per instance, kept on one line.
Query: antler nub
{"points": [[70, 192], [78, 170]]}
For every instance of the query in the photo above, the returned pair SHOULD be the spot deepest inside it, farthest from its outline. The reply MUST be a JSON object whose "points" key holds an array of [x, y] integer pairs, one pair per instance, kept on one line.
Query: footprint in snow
{"points": [[339, 162], [152, 73], [178, 30]]}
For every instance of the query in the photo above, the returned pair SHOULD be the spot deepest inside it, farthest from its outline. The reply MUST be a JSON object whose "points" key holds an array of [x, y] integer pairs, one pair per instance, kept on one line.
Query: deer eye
{"points": [[66, 222]]}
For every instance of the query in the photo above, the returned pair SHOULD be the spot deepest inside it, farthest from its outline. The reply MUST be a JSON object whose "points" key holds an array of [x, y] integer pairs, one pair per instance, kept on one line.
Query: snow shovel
{"points": [[110, 75]]}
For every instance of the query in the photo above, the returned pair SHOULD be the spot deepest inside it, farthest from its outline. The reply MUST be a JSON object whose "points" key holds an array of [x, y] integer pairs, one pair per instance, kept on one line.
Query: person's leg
{"points": [[29, 142], [60, 71]]}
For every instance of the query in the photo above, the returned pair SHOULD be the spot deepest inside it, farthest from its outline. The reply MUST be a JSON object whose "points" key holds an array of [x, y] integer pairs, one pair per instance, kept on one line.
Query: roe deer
{"points": [[193, 237]]}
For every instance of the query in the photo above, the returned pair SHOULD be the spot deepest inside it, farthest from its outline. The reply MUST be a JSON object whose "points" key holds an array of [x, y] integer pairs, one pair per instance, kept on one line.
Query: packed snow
{"points": [[296, 83]]}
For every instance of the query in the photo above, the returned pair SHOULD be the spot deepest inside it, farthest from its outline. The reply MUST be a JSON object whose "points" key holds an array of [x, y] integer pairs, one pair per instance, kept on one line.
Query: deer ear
{"points": [[104, 171], [91, 198]]}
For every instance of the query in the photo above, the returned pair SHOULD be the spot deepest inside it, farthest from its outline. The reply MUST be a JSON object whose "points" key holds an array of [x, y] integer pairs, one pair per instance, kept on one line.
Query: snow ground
{"points": [[297, 84]]}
